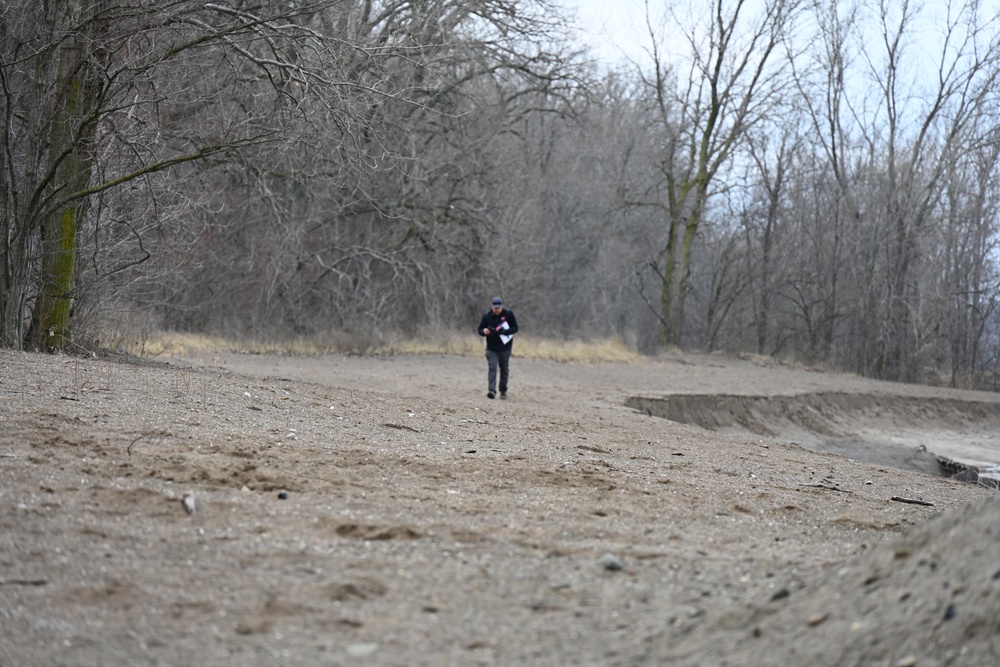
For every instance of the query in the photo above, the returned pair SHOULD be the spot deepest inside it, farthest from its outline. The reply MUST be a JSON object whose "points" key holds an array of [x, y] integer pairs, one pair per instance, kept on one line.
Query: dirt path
{"points": [[384, 512]]}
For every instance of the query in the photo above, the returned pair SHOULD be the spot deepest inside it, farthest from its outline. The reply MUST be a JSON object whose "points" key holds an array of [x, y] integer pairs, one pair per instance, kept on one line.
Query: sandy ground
{"points": [[382, 511]]}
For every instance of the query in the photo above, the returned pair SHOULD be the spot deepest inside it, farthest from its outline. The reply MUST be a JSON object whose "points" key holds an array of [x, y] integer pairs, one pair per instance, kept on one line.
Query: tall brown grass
{"points": [[165, 343]]}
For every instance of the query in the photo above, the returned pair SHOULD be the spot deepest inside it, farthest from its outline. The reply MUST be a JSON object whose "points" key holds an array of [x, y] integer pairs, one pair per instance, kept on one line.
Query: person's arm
{"points": [[483, 329]]}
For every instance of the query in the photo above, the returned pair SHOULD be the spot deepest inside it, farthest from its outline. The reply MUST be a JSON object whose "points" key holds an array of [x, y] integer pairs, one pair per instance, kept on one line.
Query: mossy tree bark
{"points": [[71, 138]]}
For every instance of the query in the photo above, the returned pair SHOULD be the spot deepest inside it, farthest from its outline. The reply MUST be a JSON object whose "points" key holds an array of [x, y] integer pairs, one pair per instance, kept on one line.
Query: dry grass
{"points": [[610, 349], [432, 342]]}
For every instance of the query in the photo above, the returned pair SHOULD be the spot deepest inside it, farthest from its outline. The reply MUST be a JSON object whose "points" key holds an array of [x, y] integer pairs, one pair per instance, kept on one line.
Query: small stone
{"points": [[188, 502], [282, 495], [815, 619], [612, 563], [908, 661], [362, 650]]}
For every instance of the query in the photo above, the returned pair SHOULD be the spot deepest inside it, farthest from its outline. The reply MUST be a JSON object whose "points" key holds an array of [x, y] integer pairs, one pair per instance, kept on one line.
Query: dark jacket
{"points": [[492, 321]]}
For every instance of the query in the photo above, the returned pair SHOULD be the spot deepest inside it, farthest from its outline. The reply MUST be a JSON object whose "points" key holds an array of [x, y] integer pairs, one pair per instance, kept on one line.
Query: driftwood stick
{"points": [[827, 487], [912, 501]]}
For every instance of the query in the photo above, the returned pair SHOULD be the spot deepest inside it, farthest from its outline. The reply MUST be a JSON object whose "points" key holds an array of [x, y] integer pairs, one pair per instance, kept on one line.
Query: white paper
{"points": [[504, 338]]}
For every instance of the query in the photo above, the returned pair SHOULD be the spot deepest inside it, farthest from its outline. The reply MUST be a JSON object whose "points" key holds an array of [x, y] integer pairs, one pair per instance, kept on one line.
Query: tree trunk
{"points": [[69, 151], [669, 325]]}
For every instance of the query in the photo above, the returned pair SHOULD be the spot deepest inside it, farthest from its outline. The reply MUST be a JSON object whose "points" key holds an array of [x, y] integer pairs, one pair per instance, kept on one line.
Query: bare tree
{"points": [[316, 241], [89, 94], [763, 228], [99, 97], [730, 79], [890, 139], [967, 286]]}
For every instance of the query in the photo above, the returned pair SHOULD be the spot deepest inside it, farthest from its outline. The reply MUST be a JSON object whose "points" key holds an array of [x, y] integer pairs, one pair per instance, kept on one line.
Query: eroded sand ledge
{"points": [[899, 430]]}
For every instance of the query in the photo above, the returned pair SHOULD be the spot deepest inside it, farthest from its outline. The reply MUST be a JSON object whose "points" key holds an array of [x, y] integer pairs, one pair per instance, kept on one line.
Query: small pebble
{"points": [[908, 661], [612, 563], [361, 650], [780, 595], [282, 495]]}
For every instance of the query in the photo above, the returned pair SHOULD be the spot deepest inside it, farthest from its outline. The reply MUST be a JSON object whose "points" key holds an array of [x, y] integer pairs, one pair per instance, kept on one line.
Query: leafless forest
{"points": [[815, 180]]}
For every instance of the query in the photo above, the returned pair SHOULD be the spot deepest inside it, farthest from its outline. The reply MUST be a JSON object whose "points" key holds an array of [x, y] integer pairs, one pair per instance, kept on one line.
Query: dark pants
{"points": [[501, 359]]}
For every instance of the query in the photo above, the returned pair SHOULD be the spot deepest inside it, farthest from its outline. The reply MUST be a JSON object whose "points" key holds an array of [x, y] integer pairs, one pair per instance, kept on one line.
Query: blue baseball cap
{"points": [[497, 301]]}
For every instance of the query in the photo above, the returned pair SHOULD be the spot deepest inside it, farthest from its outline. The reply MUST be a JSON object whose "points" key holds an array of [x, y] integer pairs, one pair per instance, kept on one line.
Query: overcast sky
{"points": [[612, 26]]}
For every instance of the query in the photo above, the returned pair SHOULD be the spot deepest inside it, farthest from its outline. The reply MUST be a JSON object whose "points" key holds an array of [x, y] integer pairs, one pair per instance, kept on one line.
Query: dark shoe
{"points": [[503, 395], [490, 394]]}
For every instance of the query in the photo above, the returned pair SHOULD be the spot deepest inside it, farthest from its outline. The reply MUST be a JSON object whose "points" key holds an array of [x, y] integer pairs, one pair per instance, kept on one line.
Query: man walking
{"points": [[498, 326]]}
